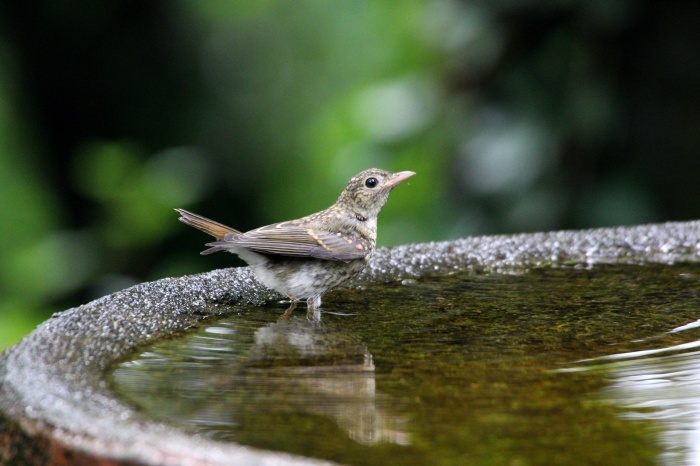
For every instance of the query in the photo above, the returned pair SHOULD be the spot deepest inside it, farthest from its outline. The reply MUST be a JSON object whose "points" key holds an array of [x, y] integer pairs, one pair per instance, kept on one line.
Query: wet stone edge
{"points": [[52, 383]]}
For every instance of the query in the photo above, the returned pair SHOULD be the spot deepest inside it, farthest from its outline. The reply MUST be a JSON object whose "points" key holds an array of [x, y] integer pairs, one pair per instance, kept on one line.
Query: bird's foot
{"points": [[288, 312], [313, 304], [313, 315]]}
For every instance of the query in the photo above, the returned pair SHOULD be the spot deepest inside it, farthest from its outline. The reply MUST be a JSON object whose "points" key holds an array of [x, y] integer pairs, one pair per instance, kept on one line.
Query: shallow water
{"points": [[553, 366]]}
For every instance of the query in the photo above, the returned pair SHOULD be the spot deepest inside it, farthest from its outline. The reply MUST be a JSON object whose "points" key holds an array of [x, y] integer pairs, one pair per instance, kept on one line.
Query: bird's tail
{"points": [[216, 229]]}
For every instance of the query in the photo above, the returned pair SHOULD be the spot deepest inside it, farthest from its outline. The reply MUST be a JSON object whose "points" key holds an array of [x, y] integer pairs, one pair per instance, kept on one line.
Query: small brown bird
{"points": [[304, 258]]}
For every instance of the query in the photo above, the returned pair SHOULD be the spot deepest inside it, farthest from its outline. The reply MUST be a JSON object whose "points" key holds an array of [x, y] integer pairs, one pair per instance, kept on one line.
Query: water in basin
{"points": [[562, 365]]}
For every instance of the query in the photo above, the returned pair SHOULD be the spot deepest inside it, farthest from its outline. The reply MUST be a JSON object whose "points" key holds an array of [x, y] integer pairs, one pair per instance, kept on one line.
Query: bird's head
{"points": [[368, 191]]}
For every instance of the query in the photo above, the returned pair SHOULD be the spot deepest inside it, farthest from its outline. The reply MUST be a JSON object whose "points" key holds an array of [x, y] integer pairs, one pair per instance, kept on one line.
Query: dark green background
{"points": [[517, 116]]}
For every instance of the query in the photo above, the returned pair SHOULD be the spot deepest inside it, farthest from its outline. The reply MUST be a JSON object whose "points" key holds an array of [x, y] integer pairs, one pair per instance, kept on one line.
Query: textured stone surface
{"points": [[52, 386]]}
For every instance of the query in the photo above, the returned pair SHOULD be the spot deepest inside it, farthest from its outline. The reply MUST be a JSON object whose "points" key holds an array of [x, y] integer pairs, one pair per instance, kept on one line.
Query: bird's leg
{"points": [[288, 312], [313, 303]]}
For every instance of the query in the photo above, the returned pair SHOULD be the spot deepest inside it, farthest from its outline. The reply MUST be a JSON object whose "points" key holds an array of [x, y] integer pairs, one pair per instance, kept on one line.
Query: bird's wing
{"points": [[291, 239]]}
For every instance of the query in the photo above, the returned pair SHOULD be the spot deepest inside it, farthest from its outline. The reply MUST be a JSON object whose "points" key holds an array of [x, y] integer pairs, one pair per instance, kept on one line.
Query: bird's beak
{"points": [[397, 178]]}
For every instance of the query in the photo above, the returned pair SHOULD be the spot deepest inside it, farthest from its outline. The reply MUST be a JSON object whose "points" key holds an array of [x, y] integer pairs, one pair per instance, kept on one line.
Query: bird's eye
{"points": [[371, 182]]}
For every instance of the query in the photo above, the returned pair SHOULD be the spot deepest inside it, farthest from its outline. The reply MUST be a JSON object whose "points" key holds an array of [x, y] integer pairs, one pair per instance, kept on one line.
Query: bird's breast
{"points": [[302, 278]]}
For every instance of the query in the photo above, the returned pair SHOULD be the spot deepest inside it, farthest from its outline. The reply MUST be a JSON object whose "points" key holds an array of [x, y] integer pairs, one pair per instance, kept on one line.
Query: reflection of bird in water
{"points": [[329, 373], [304, 258]]}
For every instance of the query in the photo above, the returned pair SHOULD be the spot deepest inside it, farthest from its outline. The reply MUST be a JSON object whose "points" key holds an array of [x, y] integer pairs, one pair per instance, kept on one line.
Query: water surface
{"points": [[552, 366]]}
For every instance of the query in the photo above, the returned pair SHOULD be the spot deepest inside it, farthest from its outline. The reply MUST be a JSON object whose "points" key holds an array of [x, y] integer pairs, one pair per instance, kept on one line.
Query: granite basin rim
{"points": [[52, 386]]}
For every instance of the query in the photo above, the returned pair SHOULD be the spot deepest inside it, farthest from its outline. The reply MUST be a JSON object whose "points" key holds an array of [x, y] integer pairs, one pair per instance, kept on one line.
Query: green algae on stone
{"points": [[462, 368]]}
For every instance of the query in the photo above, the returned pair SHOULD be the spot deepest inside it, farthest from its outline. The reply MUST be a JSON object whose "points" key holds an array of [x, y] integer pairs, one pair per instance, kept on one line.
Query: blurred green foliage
{"points": [[516, 115]]}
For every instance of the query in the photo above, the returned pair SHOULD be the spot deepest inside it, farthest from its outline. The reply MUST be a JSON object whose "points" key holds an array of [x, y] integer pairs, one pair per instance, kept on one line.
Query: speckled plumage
{"points": [[304, 258]]}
